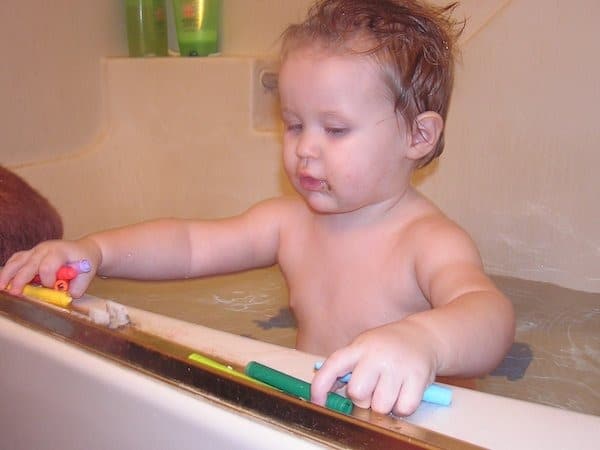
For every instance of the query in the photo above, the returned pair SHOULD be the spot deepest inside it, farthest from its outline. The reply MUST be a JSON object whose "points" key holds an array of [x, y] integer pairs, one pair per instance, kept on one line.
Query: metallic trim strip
{"points": [[168, 362]]}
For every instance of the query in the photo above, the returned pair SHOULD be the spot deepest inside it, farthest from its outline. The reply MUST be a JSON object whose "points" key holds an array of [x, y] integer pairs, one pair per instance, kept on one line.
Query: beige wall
{"points": [[50, 81], [119, 140], [523, 135]]}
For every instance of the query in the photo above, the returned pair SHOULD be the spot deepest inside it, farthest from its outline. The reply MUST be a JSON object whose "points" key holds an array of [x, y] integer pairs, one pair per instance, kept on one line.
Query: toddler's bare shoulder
{"points": [[435, 230], [279, 208]]}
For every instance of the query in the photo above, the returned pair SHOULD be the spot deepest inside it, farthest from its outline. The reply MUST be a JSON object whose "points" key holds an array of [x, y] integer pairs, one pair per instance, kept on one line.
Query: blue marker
{"points": [[434, 393]]}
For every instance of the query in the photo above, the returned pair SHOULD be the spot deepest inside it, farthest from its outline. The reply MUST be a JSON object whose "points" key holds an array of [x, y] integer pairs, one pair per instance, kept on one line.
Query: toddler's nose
{"points": [[308, 146]]}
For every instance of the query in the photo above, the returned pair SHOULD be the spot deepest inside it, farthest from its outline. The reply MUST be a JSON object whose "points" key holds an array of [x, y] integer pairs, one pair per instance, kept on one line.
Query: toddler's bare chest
{"points": [[360, 284]]}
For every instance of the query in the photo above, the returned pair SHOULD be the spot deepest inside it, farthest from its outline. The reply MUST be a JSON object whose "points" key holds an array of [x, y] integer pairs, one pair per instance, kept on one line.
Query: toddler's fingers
{"points": [[322, 383], [326, 378], [11, 267], [411, 394], [79, 285], [48, 266], [362, 385], [386, 393], [23, 268]]}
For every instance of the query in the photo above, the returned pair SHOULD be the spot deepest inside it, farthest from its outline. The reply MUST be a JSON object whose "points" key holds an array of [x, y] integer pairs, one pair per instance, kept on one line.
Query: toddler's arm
{"points": [[467, 331], [160, 249]]}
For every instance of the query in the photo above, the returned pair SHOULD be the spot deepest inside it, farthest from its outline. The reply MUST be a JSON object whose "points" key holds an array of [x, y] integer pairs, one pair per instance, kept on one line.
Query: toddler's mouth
{"points": [[314, 184]]}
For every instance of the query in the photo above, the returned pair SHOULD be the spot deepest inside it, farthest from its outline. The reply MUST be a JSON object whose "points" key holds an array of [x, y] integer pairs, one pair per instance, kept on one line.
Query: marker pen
{"points": [[294, 386], [434, 393], [47, 295], [205, 361], [81, 266]]}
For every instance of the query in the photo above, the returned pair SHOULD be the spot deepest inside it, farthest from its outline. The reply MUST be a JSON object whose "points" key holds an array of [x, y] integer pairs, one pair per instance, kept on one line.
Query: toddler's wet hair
{"points": [[414, 44]]}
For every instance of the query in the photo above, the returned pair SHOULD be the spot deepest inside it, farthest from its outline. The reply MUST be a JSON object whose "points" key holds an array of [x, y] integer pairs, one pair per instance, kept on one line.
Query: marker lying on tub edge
{"points": [[295, 387], [265, 376], [58, 298], [434, 393], [208, 362]]}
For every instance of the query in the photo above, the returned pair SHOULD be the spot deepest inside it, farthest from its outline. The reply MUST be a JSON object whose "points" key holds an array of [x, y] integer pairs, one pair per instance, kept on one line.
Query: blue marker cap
{"points": [[440, 395], [434, 393], [343, 379]]}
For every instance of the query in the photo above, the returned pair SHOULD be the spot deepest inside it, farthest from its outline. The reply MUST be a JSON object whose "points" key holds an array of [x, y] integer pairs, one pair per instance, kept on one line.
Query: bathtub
{"points": [[171, 154], [55, 395], [62, 393]]}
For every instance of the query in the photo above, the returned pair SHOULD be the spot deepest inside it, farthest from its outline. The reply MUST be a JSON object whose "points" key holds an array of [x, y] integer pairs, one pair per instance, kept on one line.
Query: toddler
{"points": [[380, 281]]}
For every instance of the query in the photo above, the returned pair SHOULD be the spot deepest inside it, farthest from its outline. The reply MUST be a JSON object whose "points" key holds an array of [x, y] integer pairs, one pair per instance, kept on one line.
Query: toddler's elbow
{"points": [[509, 323], [505, 330]]}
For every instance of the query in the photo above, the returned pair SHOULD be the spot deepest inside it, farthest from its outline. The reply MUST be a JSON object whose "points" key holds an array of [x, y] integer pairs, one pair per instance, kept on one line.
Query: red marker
{"points": [[66, 273]]}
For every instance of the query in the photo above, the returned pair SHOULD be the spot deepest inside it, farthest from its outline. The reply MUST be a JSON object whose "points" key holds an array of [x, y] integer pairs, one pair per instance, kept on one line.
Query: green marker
{"points": [[294, 386]]}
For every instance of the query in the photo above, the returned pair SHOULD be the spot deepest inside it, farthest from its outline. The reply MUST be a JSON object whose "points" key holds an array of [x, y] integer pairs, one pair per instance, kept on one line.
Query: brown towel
{"points": [[26, 217]]}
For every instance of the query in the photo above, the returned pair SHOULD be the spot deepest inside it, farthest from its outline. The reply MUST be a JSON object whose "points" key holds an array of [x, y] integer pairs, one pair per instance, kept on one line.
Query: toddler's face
{"points": [[344, 147]]}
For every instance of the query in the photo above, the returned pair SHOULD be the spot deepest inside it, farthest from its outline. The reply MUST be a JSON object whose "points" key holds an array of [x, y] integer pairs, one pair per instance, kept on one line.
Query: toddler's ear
{"points": [[426, 131]]}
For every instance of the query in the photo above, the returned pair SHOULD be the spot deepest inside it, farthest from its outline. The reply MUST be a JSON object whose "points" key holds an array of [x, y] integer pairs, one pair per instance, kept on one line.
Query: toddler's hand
{"points": [[391, 367], [45, 259]]}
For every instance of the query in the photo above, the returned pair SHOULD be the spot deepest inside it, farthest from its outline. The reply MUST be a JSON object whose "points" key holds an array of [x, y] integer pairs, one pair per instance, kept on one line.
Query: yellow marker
{"points": [[203, 360], [59, 298]]}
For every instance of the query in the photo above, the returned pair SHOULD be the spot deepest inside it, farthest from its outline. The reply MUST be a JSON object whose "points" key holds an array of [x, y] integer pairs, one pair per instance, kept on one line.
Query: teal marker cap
{"points": [[437, 394]]}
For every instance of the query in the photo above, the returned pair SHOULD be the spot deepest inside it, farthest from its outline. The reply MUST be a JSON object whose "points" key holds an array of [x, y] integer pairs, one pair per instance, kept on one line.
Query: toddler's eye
{"points": [[293, 127], [336, 131]]}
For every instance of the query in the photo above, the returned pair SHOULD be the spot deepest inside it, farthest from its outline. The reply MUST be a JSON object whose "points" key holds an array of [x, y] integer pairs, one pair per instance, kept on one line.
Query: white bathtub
{"points": [[58, 395]]}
